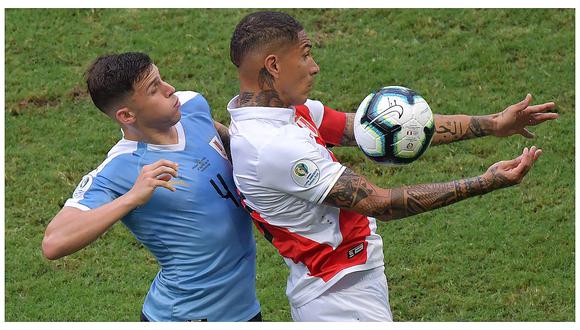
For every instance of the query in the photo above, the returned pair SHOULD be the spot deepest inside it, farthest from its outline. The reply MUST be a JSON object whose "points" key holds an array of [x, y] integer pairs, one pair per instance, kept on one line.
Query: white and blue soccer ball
{"points": [[394, 125]]}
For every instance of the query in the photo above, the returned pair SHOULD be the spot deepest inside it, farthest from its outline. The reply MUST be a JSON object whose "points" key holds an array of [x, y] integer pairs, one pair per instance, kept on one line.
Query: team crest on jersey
{"points": [[83, 186], [305, 173], [218, 146]]}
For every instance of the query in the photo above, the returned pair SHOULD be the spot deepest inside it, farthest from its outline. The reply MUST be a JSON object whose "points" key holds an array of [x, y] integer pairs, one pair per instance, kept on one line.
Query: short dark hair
{"points": [[112, 77], [260, 29]]}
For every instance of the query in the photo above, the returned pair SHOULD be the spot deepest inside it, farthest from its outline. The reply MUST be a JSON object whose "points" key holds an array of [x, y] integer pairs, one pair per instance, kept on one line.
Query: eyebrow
{"points": [[154, 81]]}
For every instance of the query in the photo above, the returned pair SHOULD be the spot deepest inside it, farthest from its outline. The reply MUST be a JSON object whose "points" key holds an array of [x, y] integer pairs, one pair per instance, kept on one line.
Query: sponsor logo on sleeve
{"points": [[305, 173]]}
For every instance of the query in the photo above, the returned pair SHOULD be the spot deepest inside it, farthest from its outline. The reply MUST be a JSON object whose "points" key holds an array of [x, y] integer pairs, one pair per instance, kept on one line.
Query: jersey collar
{"points": [[270, 113], [179, 146]]}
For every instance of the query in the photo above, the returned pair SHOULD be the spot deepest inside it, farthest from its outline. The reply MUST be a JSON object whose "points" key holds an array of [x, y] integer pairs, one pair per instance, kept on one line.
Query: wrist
{"points": [[129, 200], [494, 124]]}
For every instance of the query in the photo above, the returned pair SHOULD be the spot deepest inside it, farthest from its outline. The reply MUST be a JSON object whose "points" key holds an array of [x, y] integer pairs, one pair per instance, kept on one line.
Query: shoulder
{"points": [[192, 102], [313, 109], [97, 187], [117, 161]]}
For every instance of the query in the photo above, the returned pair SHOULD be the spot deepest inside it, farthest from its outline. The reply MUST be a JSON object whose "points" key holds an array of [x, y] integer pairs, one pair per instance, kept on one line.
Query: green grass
{"points": [[505, 256]]}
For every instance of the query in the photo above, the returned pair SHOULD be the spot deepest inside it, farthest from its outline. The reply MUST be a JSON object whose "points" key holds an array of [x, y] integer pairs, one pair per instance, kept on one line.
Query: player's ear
{"points": [[272, 65], [125, 116]]}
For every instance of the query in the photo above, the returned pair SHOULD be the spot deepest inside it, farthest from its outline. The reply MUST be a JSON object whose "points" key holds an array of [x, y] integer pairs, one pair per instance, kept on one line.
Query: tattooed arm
{"points": [[515, 119], [348, 135], [354, 192], [224, 136], [461, 127]]}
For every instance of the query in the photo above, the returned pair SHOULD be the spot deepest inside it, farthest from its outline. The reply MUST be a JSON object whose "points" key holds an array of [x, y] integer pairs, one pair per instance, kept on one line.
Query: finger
{"points": [[541, 107], [525, 159], [526, 133], [542, 117], [525, 102], [537, 154], [164, 177], [507, 165], [163, 170], [164, 162], [164, 184]]}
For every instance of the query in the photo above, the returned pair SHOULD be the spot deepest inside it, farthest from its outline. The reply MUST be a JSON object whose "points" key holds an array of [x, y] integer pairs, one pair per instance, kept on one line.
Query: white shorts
{"points": [[359, 296]]}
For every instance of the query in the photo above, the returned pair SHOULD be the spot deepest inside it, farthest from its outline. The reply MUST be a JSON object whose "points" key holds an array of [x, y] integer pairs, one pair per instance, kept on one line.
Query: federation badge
{"points": [[217, 145], [83, 186], [305, 173]]}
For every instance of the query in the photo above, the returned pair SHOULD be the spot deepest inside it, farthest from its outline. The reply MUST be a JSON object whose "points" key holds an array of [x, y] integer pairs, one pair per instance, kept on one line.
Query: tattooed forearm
{"points": [[354, 192], [348, 139], [425, 197], [453, 128]]}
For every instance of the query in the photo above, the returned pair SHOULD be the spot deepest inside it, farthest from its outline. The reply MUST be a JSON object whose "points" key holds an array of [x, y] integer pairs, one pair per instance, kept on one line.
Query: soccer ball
{"points": [[394, 125]]}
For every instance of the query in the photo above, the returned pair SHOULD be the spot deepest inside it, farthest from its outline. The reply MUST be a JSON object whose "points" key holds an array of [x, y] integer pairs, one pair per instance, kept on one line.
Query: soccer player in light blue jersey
{"points": [[170, 182]]}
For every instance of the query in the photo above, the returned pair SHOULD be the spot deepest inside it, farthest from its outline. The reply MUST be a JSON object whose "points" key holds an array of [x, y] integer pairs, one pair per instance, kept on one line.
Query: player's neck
{"points": [[260, 98], [152, 136], [253, 93]]}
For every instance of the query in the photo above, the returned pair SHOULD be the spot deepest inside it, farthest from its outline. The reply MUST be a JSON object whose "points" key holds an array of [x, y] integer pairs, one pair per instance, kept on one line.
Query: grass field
{"points": [[506, 256]]}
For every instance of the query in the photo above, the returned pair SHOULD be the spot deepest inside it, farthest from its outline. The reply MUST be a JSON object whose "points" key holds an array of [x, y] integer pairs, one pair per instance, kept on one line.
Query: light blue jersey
{"points": [[200, 234]]}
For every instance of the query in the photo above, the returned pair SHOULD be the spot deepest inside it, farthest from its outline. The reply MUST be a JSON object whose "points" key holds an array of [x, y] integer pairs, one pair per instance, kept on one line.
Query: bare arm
{"points": [[354, 192], [515, 119], [73, 229], [348, 135], [224, 136], [461, 127]]}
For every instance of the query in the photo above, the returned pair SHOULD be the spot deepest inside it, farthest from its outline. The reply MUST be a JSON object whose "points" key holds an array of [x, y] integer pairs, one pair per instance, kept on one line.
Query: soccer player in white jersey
{"points": [[319, 214], [170, 181]]}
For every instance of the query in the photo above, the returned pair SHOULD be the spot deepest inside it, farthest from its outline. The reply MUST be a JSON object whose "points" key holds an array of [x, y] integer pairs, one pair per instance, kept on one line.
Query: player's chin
{"points": [[176, 117], [300, 100]]}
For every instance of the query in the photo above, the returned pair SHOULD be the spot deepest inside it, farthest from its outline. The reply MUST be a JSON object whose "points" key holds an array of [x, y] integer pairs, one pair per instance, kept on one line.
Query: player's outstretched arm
{"points": [[73, 229], [515, 119], [354, 192]]}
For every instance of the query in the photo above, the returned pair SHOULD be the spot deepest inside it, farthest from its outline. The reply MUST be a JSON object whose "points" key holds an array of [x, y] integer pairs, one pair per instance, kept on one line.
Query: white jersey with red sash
{"points": [[284, 171]]}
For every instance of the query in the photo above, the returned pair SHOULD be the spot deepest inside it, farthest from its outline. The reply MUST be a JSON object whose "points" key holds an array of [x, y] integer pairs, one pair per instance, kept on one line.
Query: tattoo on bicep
{"points": [[349, 190]]}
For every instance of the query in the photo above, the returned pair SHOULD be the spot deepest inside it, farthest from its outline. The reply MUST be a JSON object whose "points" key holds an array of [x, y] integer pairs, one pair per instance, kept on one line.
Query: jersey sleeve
{"points": [[330, 123], [193, 102], [91, 192], [296, 166]]}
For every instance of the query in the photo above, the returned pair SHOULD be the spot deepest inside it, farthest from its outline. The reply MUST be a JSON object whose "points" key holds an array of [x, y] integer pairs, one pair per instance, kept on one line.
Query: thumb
{"points": [[525, 102], [526, 133]]}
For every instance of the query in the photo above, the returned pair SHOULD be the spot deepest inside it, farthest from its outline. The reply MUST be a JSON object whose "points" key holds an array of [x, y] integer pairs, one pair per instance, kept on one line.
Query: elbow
{"points": [[50, 249]]}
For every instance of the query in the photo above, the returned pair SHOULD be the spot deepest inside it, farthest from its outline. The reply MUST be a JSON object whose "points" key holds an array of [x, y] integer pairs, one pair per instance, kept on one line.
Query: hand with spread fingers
{"points": [[516, 118], [511, 172]]}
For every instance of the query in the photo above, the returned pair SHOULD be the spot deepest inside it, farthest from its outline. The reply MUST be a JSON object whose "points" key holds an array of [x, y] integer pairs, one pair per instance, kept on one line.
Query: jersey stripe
{"points": [[322, 260]]}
